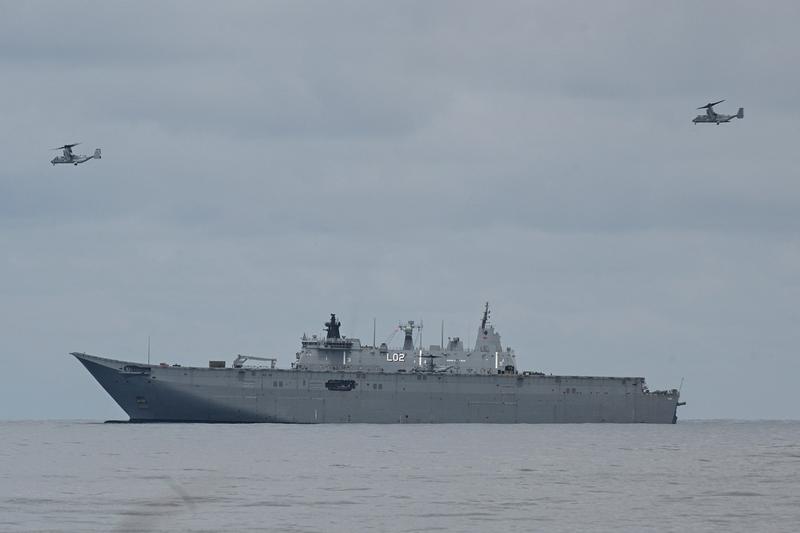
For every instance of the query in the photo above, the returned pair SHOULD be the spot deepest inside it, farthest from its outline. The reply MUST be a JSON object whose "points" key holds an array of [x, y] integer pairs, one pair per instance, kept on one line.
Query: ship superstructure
{"points": [[338, 353], [337, 379]]}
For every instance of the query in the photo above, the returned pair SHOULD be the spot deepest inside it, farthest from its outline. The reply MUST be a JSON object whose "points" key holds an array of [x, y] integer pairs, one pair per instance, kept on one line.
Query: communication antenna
{"points": [[373, 332], [148, 349], [680, 387], [442, 344]]}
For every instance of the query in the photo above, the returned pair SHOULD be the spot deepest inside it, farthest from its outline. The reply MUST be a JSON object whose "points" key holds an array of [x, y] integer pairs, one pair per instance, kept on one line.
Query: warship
{"points": [[336, 379]]}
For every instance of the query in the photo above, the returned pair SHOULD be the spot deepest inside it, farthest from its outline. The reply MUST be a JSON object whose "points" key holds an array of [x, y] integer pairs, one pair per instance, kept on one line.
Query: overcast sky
{"points": [[266, 164]]}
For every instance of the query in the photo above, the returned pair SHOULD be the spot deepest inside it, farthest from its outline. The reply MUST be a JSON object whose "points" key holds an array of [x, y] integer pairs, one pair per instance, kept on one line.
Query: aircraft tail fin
{"points": [[97, 153], [740, 114]]}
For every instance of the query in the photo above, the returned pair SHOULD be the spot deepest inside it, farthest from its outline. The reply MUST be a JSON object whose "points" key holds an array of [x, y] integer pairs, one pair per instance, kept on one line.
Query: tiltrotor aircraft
{"points": [[69, 157], [713, 117]]}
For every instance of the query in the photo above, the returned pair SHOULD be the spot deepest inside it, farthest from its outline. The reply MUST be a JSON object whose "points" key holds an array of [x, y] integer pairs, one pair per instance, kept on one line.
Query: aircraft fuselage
{"points": [[715, 118], [70, 158], [73, 161]]}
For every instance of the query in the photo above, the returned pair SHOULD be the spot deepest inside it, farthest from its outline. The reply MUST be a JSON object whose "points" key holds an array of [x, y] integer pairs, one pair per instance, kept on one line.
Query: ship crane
{"points": [[240, 360]]}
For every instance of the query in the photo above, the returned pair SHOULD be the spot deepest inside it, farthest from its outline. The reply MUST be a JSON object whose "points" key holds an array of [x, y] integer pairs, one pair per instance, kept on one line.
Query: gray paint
{"points": [[186, 394], [484, 387]]}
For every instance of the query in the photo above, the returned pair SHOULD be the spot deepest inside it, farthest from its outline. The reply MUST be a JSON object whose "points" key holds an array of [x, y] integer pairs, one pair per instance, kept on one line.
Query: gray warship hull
{"points": [[158, 393]]}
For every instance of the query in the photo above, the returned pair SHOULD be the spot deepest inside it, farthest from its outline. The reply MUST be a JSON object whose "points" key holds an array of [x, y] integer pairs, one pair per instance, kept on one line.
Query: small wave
{"points": [[743, 493]]}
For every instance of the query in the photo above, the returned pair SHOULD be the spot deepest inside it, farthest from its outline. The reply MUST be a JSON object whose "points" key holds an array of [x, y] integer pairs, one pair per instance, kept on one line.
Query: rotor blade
{"points": [[710, 104], [66, 146]]}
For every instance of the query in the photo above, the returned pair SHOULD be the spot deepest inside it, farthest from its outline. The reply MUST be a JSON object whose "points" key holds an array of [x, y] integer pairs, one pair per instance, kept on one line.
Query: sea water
{"points": [[693, 476]]}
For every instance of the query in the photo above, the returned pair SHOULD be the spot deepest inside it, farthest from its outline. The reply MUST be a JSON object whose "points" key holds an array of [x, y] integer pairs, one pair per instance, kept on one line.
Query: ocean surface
{"points": [[693, 476]]}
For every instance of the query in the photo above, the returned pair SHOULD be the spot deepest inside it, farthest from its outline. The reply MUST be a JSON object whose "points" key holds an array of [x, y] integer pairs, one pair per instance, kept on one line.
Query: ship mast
{"points": [[408, 329], [485, 318], [332, 327]]}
